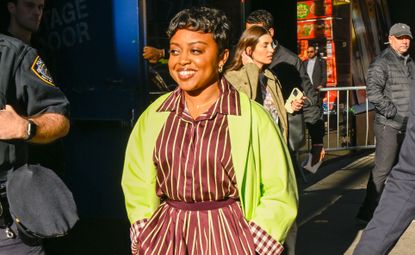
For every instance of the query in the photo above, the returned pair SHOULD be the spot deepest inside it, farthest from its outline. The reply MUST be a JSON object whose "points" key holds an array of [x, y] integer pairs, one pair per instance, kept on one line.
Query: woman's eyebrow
{"points": [[191, 43]]}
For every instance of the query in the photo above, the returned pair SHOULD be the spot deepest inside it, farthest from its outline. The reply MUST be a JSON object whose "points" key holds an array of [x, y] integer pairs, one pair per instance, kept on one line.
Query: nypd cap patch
{"points": [[40, 70]]}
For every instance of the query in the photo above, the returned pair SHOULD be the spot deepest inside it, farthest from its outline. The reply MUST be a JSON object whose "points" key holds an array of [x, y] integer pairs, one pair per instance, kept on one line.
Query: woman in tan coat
{"points": [[248, 73]]}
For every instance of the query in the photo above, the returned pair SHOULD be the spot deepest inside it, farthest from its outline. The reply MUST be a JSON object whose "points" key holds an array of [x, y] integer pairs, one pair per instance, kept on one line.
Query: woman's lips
{"points": [[186, 74]]}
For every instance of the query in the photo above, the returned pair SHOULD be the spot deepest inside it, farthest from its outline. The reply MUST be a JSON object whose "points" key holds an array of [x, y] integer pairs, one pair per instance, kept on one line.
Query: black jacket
{"points": [[288, 68], [388, 87], [319, 76]]}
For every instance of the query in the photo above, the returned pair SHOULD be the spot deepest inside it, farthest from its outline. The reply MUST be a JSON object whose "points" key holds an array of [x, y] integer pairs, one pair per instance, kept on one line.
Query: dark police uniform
{"points": [[49, 155], [25, 84]]}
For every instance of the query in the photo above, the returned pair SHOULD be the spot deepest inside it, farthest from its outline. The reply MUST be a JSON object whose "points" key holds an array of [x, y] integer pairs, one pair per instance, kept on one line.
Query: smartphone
{"points": [[295, 94]]}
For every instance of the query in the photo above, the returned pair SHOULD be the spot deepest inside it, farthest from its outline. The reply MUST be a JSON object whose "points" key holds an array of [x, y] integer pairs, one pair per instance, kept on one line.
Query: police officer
{"points": [[33, 110]]}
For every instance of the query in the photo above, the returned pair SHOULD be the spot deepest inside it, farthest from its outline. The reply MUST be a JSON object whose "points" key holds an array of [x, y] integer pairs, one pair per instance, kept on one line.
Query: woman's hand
{"points": [[297, 104], [246, 59]]}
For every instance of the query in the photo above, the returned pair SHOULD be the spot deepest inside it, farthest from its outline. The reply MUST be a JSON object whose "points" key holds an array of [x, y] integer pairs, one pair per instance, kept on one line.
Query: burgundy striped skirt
{"points": [[217, 227]]}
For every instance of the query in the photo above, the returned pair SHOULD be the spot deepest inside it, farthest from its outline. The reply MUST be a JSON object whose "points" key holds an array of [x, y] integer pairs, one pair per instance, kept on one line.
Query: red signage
{"points": [[312, 29], [313, 10]]}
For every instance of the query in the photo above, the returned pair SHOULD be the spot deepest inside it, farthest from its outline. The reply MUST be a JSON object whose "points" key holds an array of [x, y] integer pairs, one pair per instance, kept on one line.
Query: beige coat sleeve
{"points": [[245, 79]]}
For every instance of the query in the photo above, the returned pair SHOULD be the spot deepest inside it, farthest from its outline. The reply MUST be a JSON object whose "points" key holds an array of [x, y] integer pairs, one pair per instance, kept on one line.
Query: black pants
{"points": [[291, 240], [388, 145], [316, 131], [15, 246], [392, 217]]}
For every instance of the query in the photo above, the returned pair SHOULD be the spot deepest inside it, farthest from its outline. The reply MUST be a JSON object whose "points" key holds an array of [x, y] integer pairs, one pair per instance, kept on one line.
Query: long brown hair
{"points": [[249, 38]]}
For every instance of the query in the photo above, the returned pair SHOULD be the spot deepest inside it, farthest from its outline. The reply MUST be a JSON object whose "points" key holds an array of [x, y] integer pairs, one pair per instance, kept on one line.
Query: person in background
{"points": [[206, 170], [24, 19], [316, 68], [248, 73], [288, 68], [388, 88], [23, 22], [153, 55]]}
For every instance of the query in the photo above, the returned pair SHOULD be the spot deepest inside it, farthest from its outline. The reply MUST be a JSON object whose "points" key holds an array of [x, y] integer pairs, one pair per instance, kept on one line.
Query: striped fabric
{"points": [[264, 243], [174, 231], [193, 157], [194, 164]]}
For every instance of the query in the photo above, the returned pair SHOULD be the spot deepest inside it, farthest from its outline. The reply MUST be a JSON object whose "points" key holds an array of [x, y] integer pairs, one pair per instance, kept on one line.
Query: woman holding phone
{"points": [[248, 73]]}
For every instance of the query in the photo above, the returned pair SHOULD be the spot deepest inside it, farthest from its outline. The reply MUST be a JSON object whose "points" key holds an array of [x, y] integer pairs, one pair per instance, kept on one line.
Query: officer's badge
{"points": [[39, 68]]}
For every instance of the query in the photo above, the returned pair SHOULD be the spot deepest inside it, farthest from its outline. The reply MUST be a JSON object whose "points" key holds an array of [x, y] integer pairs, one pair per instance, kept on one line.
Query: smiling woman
{"points": [[197, 54], [194, 64], [198, 176]]}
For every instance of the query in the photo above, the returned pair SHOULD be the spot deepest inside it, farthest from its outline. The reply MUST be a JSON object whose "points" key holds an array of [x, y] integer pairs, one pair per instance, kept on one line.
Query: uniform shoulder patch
{"points": [[40, 70]]}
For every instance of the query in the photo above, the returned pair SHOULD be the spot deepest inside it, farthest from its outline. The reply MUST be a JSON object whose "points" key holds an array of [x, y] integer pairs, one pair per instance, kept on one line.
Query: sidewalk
{"points": [[329, 203]]}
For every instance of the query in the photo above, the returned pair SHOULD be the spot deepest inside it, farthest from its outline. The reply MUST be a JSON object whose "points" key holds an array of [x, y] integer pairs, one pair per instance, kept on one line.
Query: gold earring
{"points": [[220, 69]]}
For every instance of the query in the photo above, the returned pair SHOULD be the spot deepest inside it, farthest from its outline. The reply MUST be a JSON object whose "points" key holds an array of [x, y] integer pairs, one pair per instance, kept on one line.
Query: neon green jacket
{"points": [[265, 176]]}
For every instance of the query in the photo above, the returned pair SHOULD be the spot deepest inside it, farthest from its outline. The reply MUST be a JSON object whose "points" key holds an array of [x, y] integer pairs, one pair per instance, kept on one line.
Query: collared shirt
{"points": [[186, 146], [310, 68], [194, 164]]}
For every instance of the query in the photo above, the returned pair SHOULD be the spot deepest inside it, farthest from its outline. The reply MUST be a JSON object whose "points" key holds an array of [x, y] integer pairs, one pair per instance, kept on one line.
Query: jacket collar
{"points": [[227, 104], [405, 58]]}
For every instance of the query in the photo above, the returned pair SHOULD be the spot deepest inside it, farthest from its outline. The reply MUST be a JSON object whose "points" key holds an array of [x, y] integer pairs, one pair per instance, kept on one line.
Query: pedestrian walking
{"points": [[248, 73], [388, 89], [316, 68]]}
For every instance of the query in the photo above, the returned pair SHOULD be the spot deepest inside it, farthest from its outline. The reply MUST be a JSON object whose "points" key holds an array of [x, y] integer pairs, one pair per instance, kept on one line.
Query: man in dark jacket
{"points": [[388, 89], [316, 69], [288, 68]]}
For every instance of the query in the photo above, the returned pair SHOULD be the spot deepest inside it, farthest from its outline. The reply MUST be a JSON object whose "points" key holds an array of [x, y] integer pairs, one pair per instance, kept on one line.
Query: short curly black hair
{"points": [[206, 20], [261, 17]]}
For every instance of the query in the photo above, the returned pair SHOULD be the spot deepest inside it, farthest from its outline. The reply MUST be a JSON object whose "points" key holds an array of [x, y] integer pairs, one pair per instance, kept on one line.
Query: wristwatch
{"points": [[31, 129]]}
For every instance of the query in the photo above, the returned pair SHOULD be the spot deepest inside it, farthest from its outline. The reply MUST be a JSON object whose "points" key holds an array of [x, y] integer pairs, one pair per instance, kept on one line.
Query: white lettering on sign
{"points": [[67, 24]]}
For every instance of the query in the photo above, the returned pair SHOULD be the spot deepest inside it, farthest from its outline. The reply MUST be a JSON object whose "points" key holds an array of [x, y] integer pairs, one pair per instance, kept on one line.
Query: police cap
{"points": [[40, 202]]}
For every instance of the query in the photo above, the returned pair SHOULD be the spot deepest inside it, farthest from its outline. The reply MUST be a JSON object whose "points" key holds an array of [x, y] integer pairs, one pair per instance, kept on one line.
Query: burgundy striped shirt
{"points": [[194, 164], [193, 157]]}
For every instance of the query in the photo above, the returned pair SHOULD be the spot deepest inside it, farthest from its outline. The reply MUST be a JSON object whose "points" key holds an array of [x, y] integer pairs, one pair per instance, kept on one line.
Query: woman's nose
{"points": [[38, 11], [184, 58]]}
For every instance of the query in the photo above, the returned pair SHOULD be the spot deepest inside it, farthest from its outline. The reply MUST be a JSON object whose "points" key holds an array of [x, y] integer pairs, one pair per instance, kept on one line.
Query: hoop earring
{"points": [[220, 69]]}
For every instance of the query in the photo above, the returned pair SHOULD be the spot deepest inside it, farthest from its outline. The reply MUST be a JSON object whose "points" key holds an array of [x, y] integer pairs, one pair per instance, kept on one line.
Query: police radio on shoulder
{"points": [[31, 130]]}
